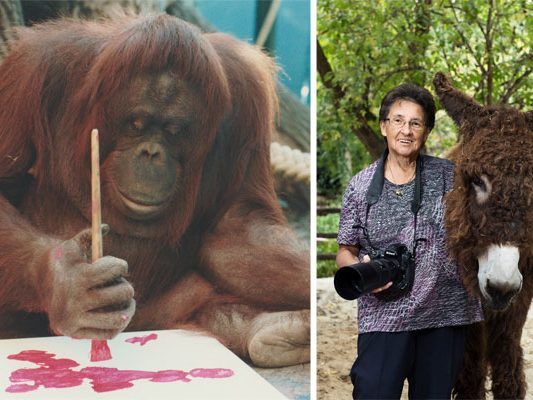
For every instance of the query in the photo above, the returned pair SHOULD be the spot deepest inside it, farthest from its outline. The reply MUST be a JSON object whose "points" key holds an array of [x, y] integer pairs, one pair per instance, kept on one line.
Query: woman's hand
{"points": [[381, 289], [365, 259]]}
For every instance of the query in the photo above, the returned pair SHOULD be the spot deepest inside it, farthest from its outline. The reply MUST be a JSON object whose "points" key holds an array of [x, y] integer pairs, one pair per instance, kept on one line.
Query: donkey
{"points": [[489, 220]]}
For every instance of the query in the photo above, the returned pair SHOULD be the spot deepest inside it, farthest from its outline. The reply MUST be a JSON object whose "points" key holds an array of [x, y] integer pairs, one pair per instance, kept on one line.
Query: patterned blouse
{"points": [[438, 298]]}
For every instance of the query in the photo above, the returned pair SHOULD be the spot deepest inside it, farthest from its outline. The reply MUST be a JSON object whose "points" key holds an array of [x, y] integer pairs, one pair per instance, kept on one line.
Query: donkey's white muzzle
{"points": [[499, 277]]}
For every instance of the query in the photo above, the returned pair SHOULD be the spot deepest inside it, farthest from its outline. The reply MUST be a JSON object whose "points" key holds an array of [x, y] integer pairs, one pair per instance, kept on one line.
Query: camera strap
{"points": [[376, 187]]}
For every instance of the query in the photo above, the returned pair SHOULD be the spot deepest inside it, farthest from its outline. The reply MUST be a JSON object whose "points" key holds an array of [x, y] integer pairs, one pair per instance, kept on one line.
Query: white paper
{"points": [[172, 350]]}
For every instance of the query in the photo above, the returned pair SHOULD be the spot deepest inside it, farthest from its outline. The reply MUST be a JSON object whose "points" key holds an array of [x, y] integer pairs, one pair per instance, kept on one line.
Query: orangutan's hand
{"points": [[83, 299]]}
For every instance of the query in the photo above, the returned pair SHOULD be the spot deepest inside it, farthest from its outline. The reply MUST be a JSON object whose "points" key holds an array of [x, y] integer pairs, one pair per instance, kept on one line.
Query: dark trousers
{"points": [[430, 359]]}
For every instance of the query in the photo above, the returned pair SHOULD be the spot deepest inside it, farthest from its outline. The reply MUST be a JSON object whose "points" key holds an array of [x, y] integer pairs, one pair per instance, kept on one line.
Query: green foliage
{"points": [[327, 224], [443, 136], [325, 268], [373, 46], [486, 47], [340, 155]]}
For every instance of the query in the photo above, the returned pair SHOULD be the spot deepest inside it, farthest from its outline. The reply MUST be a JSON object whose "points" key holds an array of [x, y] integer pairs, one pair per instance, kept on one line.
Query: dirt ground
{"points": [[336, 344]]}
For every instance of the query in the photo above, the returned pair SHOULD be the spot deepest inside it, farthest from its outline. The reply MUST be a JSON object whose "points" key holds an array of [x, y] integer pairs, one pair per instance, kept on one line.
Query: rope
{"points": [[290, 163], [268, 23]]}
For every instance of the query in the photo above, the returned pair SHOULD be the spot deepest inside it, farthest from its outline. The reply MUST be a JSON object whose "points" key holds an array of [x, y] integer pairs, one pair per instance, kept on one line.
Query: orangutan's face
{"points": [[405, 129]]}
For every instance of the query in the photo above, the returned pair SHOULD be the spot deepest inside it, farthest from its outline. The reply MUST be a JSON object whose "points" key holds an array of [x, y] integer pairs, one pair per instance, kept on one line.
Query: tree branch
{"points": [[324, 69], [463, 39], [488, 49], [504, 98], [359, 123]]}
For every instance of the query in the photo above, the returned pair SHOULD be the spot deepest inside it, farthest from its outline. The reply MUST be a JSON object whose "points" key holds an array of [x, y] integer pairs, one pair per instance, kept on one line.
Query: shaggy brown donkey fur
{"points": [[489, 221]]}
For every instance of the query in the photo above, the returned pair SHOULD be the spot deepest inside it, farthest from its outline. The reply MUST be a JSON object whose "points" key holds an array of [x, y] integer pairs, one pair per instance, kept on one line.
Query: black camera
{"points": [[396, 264]]}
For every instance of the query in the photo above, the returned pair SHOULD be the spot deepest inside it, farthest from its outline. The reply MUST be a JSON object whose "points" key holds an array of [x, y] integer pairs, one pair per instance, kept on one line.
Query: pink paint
{"points": [[100, 350], [210, 373], [142, 340], [59, 373], [58, 253]]}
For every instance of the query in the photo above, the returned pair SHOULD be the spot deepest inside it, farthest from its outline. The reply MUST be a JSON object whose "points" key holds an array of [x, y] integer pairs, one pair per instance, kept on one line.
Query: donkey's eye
{"points": [[482, 188], [478, 182]]}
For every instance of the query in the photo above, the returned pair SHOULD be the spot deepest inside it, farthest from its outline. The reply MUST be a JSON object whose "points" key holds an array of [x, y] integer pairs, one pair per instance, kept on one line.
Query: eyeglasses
{"points": [[415, 124]]}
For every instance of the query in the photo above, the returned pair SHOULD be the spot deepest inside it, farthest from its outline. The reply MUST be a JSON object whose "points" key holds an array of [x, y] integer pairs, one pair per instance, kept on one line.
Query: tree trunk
{"points": [[360, 125]]}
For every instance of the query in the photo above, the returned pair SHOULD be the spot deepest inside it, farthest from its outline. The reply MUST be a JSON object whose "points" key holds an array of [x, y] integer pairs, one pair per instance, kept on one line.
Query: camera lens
{"points": [[357, 279]]}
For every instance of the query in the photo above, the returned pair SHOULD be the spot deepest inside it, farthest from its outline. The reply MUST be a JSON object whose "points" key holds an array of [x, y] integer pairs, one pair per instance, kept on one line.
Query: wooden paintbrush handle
{"points": [[99, 348], [97, 249]]}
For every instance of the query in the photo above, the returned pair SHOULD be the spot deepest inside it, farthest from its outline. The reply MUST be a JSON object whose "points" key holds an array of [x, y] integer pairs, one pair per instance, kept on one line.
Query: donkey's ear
{"points": [[458, 105], [529, 119]]}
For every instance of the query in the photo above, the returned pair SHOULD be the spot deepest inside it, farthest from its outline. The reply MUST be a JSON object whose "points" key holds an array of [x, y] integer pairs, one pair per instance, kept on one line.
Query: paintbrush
{"points": [[99, 348]]}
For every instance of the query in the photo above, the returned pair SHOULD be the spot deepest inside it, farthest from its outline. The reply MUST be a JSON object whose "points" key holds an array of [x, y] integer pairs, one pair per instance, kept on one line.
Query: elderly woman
{"points": [[418, 334]]}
